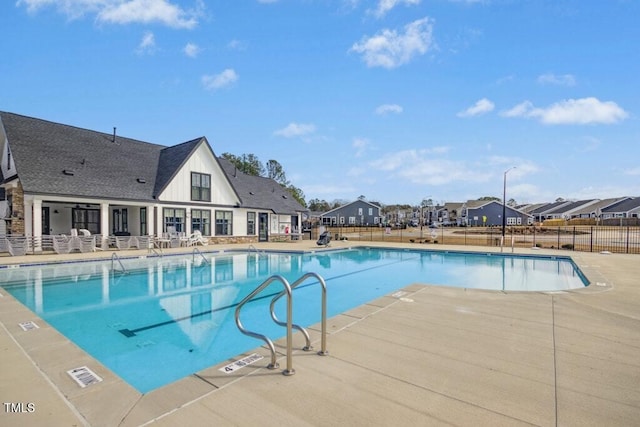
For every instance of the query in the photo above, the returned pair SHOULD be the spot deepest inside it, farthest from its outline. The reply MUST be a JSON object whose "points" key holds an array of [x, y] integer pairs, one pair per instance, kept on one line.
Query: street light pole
{"points": [[504, 206]]}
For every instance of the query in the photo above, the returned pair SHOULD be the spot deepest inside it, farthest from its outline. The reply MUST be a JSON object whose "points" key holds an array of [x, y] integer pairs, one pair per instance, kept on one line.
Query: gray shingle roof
{"points": [[126, 169], [623, 206], [171, 159], [96, 165], [257, 192]]}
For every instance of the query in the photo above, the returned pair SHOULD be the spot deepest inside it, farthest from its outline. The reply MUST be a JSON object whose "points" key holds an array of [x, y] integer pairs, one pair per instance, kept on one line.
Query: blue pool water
{"points": [[169, 317]]}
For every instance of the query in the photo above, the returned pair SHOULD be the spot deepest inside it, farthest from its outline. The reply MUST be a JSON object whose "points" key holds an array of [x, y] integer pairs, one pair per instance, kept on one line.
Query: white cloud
{"points": [[561, 80], [571, 112], [389, 49], [124, 11], [482, 106], [191, 50], [296, 129], [424, 168], [147, 44], [385, 6], [388, 108], [633, 172], [219, 81], [236, 45], [360, 145]]}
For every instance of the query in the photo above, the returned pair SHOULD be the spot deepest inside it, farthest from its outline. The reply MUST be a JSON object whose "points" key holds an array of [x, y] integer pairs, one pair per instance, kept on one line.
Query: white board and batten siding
{"points": [[201, 161]]}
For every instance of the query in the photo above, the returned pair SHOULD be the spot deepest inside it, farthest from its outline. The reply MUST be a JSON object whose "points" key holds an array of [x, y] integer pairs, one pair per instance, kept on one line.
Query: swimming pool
{"points": [[169, 317]]}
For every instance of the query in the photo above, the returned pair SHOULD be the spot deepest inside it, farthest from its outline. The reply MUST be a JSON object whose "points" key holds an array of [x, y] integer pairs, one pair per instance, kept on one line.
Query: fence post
{"points": [[574, 238], [558, 238], [534, 235], [627, 239]]}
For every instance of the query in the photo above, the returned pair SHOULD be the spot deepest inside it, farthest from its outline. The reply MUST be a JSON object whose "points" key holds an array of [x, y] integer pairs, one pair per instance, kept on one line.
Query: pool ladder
{"points": [[197, 251], [252, 248], [114, 258], [288, 288]]}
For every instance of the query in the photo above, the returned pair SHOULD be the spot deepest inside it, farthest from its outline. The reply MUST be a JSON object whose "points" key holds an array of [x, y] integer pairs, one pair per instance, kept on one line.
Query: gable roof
{"points": [[170, 161], [257, 192], [57, 159], [352, 203], [570, 206], [625, 205]]}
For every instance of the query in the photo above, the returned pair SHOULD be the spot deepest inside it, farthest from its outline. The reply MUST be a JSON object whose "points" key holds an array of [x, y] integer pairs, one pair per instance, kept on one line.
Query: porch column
{"points": [[37, 225], [28, 217], [104, 225], [151, 221]]}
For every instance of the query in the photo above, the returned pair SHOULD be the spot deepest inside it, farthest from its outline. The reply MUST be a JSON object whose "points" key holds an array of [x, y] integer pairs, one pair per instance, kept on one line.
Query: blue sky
{"points": [[396, 100]]}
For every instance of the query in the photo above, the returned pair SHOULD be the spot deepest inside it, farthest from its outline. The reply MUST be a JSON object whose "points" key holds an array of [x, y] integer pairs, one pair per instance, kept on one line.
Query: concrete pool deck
{"points": [[430, 356]]}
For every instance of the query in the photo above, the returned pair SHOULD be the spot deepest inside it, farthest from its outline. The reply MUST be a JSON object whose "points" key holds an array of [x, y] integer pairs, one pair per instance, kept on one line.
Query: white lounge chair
{"points": [[61, 244], [87, 243], [123, 242], [197, 238], [143, 242], [18, 246]]}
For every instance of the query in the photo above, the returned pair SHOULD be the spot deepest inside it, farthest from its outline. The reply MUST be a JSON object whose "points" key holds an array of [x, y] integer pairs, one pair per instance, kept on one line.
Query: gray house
{"points": [[359, 213], [489, 213], [627, 208]]}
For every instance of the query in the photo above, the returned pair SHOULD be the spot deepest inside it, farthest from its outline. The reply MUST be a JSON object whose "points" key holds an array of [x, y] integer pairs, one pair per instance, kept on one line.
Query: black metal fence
{"points": [[615, 239]]}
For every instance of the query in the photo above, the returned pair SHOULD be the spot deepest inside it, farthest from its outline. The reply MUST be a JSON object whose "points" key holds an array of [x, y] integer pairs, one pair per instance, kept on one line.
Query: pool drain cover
{"points": [[28, 326]]}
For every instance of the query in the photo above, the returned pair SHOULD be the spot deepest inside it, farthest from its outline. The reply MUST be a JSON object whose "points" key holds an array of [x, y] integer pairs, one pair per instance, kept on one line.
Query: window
{"points": [[200, 187], [120, 222], [360, 211], [341, 220], [143, 221], [86, 218], [352, 220], [224, 223], [251, 223], [201, 220], [8, 159], [174, 218], [370, 211]]}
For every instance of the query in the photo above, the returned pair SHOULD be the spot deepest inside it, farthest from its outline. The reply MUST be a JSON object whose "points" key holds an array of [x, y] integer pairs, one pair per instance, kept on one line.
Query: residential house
{"points": [[540, 213], [359, 212], [448, 213], [488, 213], [566, 210], [59, 177], [594, 210], [626, 208]]}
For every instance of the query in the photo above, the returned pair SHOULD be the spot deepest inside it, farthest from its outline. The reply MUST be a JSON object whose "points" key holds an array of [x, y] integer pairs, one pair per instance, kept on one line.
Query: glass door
{"points": [[263, 223]]}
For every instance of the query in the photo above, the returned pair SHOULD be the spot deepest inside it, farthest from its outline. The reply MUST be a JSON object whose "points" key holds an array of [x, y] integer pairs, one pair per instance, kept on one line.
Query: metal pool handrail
{"points": [[287, 290], [201, 254], [115, 257], [323, 351]]}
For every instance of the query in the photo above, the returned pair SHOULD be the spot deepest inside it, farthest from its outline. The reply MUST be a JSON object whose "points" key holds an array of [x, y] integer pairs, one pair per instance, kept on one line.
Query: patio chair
{"points": [[174, 242], [143, 242], [87, 243], [84, 232], [61, 244], [324, 239], [123, 242], [18, 246], [196, 238]]}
